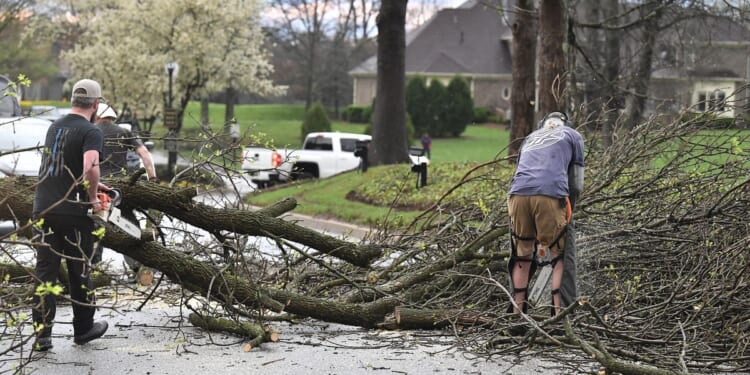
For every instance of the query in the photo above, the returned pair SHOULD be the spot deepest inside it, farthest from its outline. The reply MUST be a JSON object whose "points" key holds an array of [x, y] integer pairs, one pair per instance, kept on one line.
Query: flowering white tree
{"points": [[126, 44]]}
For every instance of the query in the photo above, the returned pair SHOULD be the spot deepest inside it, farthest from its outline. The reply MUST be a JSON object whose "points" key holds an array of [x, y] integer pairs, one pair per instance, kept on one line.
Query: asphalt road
{"points": [[159, 340]]}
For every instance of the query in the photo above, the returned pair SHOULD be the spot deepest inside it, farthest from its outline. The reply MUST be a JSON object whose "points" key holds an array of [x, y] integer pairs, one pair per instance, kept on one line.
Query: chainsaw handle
{"points": [[116, 196]]}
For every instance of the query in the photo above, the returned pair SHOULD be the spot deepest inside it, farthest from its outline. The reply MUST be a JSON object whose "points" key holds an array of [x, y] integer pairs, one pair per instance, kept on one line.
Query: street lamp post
{"points": [[171, 138]]}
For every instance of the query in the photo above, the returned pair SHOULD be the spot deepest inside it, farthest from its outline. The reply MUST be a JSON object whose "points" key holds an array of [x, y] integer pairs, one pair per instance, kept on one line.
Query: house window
{"points": [[506, 93], [714, 101]]}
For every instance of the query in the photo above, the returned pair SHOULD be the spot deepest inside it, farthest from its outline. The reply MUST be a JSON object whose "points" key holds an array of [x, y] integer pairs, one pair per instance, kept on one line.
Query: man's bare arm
{"points": [[148, 163]]}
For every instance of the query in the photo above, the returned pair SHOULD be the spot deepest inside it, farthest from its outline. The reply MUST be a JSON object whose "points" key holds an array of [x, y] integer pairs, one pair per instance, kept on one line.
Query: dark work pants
{"points": [[70, 236]]}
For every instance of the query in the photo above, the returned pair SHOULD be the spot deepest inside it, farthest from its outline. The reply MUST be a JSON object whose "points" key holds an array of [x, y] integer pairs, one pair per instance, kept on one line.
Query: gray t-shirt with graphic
{"points": [[546, 155]]}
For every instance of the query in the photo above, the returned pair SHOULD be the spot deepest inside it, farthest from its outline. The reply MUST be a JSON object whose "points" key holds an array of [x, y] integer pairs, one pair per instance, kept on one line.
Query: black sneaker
{"points": [[96, 331], [42, 344]]}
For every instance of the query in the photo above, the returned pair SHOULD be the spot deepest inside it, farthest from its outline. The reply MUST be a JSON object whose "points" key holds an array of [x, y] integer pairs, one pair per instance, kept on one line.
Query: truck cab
{"points": [[325, 154]]}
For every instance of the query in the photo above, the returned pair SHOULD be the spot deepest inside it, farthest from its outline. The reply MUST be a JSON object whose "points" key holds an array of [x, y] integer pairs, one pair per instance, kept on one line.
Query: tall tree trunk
{"points": [[312, 62], [642, 76], [551, 57], [389, 143], [231, 100], [523, 60], [204, 113], [611, 72]]}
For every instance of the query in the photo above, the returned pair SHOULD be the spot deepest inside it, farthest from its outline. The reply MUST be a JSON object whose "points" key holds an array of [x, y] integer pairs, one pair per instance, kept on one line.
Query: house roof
{"points": [[470, 39]]}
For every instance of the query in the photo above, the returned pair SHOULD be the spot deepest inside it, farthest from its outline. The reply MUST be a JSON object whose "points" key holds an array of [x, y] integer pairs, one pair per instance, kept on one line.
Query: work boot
{"points": [[42, 344], [96, 331]]}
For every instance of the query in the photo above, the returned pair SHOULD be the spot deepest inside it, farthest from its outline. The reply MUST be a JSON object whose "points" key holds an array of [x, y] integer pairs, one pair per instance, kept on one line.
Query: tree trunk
{"points": [[611, 74], [524, 60], [231, 100], [204, 113], [181, 206], [642, 77], [389, 143], [551, 57]]}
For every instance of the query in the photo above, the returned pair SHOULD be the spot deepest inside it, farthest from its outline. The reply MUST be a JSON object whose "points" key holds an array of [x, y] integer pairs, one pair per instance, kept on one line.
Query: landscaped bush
{"points": [[482, 114], [417, 103], [436, 109], [316, 120], [459, 107], [358, 114]]}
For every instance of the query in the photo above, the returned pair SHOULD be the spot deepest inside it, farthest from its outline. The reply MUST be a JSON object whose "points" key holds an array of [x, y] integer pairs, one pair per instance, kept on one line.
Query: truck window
{"points": [[319, 143], [348, 144]]}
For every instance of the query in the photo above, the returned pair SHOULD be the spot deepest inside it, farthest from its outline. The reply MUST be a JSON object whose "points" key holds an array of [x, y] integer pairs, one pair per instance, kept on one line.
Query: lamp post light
{"points": [[170, 141], [171, 68]]}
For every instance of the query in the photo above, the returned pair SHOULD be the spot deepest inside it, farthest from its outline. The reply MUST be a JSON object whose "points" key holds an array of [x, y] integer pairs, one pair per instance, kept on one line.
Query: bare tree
{"points": [[389, 144], [551, 57], [524, 77]]}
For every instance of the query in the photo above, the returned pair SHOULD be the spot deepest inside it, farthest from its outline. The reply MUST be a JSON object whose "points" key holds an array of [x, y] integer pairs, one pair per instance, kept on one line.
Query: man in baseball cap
{"points": [[87, 88], [66, 192]]}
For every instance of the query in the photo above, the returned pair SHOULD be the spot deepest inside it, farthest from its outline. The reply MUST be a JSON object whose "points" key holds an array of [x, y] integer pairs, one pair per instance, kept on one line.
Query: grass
{"points": [[327, 198]]}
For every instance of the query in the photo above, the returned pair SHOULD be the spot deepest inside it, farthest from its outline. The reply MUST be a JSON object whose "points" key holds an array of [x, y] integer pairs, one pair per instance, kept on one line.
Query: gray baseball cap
{"points": [[87, 88]]}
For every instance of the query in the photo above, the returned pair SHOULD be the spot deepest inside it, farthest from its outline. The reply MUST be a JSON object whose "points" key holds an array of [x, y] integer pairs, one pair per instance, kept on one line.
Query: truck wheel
{"points": [[304, 175]]}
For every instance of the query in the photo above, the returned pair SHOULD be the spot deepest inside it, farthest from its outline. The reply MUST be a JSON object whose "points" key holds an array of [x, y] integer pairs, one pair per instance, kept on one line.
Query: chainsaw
{"points": [[112, 214], [542, 280]]}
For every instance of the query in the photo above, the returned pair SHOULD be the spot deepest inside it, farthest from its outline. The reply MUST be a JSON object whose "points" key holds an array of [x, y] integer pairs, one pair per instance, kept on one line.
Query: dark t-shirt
{"points": [[117, 142], [62, 165]]}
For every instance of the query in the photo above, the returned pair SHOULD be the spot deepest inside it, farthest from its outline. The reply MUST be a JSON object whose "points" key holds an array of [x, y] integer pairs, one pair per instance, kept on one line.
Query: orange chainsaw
{"points": [[112, 214]]}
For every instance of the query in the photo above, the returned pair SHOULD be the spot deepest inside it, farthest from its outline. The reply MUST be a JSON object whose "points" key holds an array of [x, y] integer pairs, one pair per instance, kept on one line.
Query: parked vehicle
{"points": [[20, 141], [323, 155], [46, 112], [20, 137]]}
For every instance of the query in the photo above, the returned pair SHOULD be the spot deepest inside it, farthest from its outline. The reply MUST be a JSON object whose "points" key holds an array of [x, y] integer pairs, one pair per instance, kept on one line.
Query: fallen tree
{"points": [[663, 258]]}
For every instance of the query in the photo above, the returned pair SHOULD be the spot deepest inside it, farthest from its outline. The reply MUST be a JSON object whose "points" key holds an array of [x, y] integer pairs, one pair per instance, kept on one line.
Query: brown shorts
{"points": [[537, 216]]}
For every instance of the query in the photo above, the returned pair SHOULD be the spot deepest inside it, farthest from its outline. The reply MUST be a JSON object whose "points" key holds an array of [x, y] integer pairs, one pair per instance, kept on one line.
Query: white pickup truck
{"points": [[323, 154]]}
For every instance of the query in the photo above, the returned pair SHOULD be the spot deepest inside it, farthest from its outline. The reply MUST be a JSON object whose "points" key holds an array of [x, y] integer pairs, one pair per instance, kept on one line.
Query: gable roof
{"points": [[471, 39]]}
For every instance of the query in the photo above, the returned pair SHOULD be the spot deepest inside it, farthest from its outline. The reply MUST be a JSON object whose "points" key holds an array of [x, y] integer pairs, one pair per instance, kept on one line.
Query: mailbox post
{"points": [[420, 168], [171, 122]]}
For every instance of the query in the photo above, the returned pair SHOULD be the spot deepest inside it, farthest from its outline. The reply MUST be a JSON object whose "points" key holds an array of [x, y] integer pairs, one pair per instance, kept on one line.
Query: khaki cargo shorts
{"points": [[540, 217]]}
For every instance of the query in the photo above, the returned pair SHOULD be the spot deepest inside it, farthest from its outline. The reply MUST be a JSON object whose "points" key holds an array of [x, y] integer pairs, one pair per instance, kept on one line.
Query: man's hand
{"points": [[102, 187], [96, 206]]}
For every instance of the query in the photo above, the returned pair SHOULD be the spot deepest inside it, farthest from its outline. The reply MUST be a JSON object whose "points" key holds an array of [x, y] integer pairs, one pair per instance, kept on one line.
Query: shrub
{"points": [[316, 120], [417, 103], [438, 100], [459, 107], [358, 114], [482, 114]]}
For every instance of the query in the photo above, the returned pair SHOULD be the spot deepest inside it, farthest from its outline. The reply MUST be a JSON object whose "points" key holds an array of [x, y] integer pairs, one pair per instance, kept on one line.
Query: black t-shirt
{"points": [[62, 165], [117, 142]]}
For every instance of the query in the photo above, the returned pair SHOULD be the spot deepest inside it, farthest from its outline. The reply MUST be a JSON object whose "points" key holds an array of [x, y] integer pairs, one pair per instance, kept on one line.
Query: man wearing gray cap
{"points": [[66, 191]]}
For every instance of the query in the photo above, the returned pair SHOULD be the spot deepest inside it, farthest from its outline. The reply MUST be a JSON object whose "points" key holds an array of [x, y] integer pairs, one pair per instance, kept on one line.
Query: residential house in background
{"points": [[472, 41], [701, 63]]}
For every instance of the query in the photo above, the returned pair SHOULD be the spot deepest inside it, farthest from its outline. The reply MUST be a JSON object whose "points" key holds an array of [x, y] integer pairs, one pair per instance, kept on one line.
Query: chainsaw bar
{"points": [[540, 285], [115, 217]]}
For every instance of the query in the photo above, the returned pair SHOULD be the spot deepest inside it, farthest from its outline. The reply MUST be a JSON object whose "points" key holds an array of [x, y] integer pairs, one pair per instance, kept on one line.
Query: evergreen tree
{"points": [[417, 103], [459, 108], [437, 100], [316, 120]]}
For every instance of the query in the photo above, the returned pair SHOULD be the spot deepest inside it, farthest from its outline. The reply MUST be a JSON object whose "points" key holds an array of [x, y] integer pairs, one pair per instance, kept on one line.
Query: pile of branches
{"points": [[662, 245]]}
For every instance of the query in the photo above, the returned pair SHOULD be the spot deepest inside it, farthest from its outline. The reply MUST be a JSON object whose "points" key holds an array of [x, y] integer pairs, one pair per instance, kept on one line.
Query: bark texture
{"points": [[524, 76]]}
